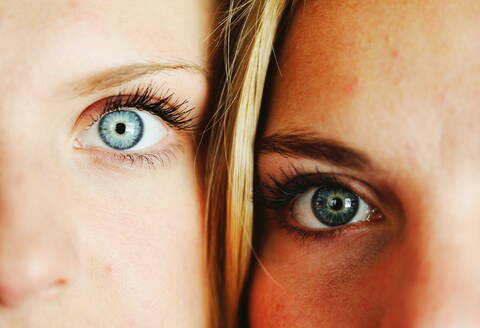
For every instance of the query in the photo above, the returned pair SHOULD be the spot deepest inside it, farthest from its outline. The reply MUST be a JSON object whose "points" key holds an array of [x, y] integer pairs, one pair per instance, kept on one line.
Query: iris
{"points": [[334, 205], [121, 129]]}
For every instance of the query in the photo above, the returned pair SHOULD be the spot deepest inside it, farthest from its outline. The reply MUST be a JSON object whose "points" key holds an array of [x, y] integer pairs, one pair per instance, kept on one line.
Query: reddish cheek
{"points": [[310, 302], [320, 299], [266, 304], [342, 284]]}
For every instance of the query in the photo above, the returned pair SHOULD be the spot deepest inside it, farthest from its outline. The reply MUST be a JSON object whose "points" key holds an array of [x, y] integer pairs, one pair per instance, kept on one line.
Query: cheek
{"points": [[144, 241], [147, 264], [339, 283]]}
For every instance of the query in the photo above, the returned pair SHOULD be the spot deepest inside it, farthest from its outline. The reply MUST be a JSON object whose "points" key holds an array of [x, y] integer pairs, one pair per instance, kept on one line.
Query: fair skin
{"points": [[92, 235], [380, 99]]}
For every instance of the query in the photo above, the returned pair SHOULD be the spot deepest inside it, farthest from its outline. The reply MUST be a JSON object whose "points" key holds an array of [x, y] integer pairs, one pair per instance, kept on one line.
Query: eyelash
{"points": [[277, 195], [147, 159], [172, 111]]}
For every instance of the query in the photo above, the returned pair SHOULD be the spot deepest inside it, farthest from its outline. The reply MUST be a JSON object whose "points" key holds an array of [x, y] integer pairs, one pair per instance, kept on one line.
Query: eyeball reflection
{"points": [[124, 130], [329, 207]]}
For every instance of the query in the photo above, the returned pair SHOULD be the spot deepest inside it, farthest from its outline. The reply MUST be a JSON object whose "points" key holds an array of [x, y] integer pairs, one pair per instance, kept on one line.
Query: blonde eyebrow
{"points": [[116, 76]]}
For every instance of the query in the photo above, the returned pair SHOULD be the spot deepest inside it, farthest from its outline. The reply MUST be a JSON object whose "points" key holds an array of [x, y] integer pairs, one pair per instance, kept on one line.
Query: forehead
{"points": [[388, 77], [46, 15], [156, 28]]}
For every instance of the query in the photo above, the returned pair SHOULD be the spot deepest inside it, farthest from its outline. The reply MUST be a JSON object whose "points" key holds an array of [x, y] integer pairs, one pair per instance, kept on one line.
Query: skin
{"points": [[397, 82], [86, 239]]}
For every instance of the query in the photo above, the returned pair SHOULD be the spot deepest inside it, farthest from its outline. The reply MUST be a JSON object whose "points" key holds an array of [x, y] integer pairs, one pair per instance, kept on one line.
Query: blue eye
{"points": [[124, 130], [121, 130], [329, 207], [334, 206]]}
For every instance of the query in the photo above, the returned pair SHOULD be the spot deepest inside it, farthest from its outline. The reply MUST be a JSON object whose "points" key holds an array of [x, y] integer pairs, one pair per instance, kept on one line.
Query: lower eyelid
{"points": [[327, 235], [135, 160]]}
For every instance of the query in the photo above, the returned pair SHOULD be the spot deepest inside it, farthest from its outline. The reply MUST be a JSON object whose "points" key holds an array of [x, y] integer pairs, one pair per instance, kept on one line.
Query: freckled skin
{"points": [[414, 111]]}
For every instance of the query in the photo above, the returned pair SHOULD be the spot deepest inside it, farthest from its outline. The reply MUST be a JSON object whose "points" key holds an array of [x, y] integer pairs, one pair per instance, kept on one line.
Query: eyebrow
{"points": [[308, 146], [116, 76]]}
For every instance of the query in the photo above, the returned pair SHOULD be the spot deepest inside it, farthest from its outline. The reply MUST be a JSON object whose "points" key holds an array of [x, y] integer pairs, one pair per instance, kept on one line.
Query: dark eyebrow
{"points": [[116, 76], [309, 146]]}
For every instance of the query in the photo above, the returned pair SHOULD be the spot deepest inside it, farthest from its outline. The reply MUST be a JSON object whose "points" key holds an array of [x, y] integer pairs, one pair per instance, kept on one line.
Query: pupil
{"points": [[335, 204], [120, 128]]}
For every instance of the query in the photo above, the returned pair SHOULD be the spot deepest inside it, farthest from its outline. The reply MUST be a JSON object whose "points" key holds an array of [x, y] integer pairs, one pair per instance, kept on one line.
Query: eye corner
{"points": [[77, 144]]}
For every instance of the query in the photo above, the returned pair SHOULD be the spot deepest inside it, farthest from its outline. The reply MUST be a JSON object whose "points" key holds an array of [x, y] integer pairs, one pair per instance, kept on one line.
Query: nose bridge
{"points": [[441, 266]]}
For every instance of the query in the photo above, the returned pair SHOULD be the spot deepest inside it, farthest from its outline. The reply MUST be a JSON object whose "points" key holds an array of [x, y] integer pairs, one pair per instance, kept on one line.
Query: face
{"points": [[100, 206], [368, 169]]}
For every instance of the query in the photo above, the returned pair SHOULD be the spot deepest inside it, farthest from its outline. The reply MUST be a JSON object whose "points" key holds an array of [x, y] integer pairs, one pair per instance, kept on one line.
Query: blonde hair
{"points": [[249, 35]]}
